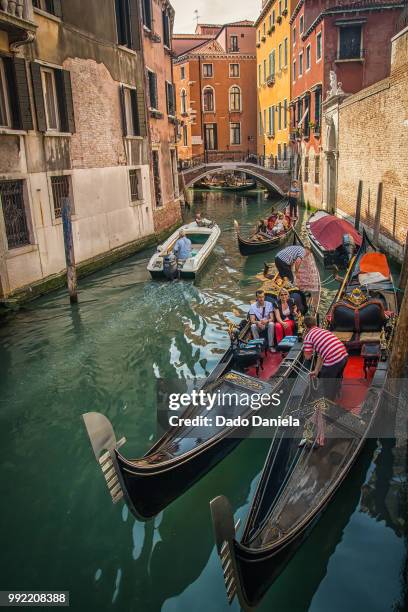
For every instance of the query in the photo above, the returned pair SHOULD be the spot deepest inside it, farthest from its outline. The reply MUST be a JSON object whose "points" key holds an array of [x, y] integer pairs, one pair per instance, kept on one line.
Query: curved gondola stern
{"points": [[104, 444], [224, 533]]}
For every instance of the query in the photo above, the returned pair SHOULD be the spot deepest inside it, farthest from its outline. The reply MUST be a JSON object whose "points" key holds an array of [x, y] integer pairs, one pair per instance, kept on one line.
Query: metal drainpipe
{"points": [[201, 112]]}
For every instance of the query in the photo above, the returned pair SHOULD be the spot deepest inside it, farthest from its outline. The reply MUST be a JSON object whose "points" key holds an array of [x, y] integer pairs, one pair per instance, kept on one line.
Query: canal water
{"points": [[59, 530]]}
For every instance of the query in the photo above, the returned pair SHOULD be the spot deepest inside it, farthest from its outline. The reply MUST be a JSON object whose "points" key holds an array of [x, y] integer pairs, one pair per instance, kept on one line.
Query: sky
{"points": [[213, 11]]}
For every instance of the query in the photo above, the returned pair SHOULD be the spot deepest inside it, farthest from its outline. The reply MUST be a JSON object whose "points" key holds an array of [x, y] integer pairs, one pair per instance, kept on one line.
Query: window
{"points": [[300, 111], [264, 70], [285, 114], [318, 108], [273, 17], [307, 119], [270, 21], [127, 24], [272, 120], [147, 13], [279, 116], [300, 64], [234, 43], [264, 28], [306, 170], [294, 36], [135, 182], [235, 99], [285, 52], [210, 136], [60, 191], [294, 70], [260, 128], [50, 6], [308, 57], [207, 70], [259, 74], [272, 63], [234, 70], [130, 112], [208, 100], [174, 174], [235, 133], [259, 36], [170, 99], [280, 7], [182, 73], [185, 136], [319, 47], [301, 23], [350, 42], [166, 30], [4, 101], [285, 151], [15, 219], [317, 170], [50, 99], [264, 120], [183, 96], [152, 82], [280, 57], [279, 151], [156, 178]]}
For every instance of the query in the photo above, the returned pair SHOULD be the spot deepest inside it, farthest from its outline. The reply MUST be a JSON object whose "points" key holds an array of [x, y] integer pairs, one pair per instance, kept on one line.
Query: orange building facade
{"points": [[214, 75]]}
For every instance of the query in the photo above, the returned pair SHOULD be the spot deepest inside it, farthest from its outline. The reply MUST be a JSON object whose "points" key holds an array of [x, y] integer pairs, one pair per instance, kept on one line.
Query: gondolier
{"points": [[293, 195], [331, 356], [261, 315], [285, 259]]}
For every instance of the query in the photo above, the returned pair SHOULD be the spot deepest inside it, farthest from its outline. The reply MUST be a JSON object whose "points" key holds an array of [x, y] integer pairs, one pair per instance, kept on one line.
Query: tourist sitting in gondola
{"points": [[285, 313], [261, 227], [331, 354], [285, 259], [279, 226], [261, 316]]}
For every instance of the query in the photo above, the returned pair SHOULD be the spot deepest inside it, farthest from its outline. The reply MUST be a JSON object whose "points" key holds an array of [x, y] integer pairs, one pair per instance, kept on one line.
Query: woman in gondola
{"points": [[285, 311]]}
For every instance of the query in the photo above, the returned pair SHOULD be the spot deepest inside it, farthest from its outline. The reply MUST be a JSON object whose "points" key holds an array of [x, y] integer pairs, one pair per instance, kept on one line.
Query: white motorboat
{"points": [[164, 264]]}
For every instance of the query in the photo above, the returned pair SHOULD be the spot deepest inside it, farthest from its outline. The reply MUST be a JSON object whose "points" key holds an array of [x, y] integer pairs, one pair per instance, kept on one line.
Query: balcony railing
{"points": [[17, 9]]}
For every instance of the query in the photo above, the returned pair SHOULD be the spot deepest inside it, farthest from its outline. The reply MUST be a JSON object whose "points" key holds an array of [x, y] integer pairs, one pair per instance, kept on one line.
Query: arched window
{"points": [[183, 95], [208, 100], [235, 98]]}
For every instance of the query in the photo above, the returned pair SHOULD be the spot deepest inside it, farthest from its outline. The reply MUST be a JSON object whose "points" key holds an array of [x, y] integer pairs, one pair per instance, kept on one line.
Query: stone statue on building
{"points": [[335, 87]]}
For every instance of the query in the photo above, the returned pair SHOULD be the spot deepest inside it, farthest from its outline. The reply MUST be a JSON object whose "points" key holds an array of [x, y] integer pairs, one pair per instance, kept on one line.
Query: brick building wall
{"points": [[373, 147]]}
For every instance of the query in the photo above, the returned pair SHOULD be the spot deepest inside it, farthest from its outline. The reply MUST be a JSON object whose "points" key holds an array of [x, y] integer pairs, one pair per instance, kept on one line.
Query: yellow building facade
{"points": [[273, 51]]}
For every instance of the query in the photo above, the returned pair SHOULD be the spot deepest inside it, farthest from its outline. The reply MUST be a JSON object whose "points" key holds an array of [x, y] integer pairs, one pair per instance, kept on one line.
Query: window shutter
{"points": [[134, 25], [23, 96], [141, 112], [65, 102], [156, 99], [57, 8], [38, 97], [135, 111], [123, 109]]}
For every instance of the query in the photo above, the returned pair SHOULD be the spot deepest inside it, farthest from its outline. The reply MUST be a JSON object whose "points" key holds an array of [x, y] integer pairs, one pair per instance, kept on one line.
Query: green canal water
{"points": [[59, 530]]}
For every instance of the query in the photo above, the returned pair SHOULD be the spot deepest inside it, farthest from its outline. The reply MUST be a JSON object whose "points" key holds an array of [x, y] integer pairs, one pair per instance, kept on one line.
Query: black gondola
{"points": [[299, 481], [184, 454], [259, 243]]}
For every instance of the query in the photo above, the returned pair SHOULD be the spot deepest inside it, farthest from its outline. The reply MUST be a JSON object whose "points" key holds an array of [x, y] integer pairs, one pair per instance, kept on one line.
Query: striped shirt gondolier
{"points": [[291, 254], [326, 346]]}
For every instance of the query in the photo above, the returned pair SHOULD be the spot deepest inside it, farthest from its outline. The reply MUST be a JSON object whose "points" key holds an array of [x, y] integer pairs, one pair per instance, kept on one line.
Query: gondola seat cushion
{"points": [[369, 317]]}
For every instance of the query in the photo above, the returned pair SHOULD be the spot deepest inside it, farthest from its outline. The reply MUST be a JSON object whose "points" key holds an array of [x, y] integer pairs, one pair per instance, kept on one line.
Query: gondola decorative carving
{"points": [[356, 297]]}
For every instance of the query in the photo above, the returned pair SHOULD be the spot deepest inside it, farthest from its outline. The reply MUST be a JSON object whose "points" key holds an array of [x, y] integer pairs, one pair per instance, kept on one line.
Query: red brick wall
{"points": [[373, 147]]}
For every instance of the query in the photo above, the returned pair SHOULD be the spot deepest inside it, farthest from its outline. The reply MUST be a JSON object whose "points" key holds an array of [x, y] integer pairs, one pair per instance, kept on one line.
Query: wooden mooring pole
{"points": [[399, 355], [358, 205], [377, 222], [69, 251]]}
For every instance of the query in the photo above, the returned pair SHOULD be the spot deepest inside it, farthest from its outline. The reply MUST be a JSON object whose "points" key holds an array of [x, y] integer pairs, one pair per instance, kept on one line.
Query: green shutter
{"points": [[134, 25], [57, 8], [123, 109], [38, 97], [135, 111]]}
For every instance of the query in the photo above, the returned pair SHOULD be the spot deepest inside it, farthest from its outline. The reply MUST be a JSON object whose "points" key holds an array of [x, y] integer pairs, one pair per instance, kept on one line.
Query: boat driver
{"points": [[261, 315], [182, 249], [200, 222]]}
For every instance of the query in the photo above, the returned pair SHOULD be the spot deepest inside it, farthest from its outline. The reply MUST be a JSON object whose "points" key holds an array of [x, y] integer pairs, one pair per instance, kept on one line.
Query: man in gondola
{"points": [[285, 259], [261, 315], [331, 354]]}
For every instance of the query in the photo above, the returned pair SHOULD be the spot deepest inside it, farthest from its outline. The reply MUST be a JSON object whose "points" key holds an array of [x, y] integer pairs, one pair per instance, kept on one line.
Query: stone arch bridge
{"points": [[273, 179]]}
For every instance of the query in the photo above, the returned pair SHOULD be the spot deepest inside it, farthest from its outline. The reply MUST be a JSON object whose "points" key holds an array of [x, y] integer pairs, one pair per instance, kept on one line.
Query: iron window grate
{"points": [[134, 185], [60, 190], [15, 219]]}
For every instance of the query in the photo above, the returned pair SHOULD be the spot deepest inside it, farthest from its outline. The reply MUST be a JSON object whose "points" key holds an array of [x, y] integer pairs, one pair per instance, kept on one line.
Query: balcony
{"points": [[233, 50], [17, 18], [270, 80], [279, 19], [263, 38], [271, 30]]}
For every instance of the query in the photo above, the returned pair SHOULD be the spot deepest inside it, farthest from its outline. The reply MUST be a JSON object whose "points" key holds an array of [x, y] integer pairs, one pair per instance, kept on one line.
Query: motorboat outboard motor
{"points": [[170, 266], [349, 248]]}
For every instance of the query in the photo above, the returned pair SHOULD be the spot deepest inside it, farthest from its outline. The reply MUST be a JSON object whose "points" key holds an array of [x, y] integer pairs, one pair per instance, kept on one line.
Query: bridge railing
{"points": [[213, 157]]}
